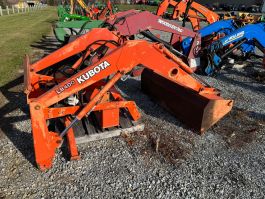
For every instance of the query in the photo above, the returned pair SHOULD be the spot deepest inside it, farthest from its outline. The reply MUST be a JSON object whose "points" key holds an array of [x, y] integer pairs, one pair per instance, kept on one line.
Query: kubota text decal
{"points": [[84, 77], [92, 72]]}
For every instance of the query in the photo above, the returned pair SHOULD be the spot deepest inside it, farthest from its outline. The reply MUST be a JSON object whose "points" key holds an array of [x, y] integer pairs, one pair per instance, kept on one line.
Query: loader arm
{"points": [[245, 39], [222, 26], [122, 60], [183, 11], [196, 12], [77, 47], [163, 6], [209, 33], [116, 62], [210, 16], [177, 13], [134, 22]]}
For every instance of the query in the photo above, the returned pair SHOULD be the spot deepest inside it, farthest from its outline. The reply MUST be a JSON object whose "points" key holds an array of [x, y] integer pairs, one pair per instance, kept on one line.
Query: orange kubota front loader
{"points": [[195, 12], [73, 87]]}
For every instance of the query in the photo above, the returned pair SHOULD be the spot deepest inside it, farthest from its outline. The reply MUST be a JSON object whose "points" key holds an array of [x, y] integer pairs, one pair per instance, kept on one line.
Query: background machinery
{"points": [[244, 39], [92, 11], [190, 10], [64, 15], [132, 22], [224, 38]]}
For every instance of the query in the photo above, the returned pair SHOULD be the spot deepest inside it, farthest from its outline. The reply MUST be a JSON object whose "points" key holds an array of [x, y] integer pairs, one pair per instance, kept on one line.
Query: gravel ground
{"points": [[167, 160]]}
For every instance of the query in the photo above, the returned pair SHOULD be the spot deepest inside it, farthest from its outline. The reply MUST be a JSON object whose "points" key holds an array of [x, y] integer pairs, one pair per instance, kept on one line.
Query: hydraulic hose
{"points": [[152, 37]]}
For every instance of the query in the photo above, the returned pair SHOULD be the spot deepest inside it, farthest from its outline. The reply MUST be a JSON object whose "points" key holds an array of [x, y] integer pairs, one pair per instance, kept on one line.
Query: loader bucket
{"points": [[199, 112]]}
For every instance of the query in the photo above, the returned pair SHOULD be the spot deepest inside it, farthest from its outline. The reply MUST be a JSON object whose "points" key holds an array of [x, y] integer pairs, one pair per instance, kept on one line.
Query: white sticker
{"points": [[234, 37], [170, 25]]}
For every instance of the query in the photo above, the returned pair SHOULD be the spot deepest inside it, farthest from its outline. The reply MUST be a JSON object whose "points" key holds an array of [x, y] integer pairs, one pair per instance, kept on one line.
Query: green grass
{"points": [[17, 33]]}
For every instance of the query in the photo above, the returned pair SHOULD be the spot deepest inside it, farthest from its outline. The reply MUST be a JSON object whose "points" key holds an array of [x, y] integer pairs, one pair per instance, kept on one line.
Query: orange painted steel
{"points": [[116, 62], [163, 6], [31, 71], [198, 9], [196, 13], [74, 155]]}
